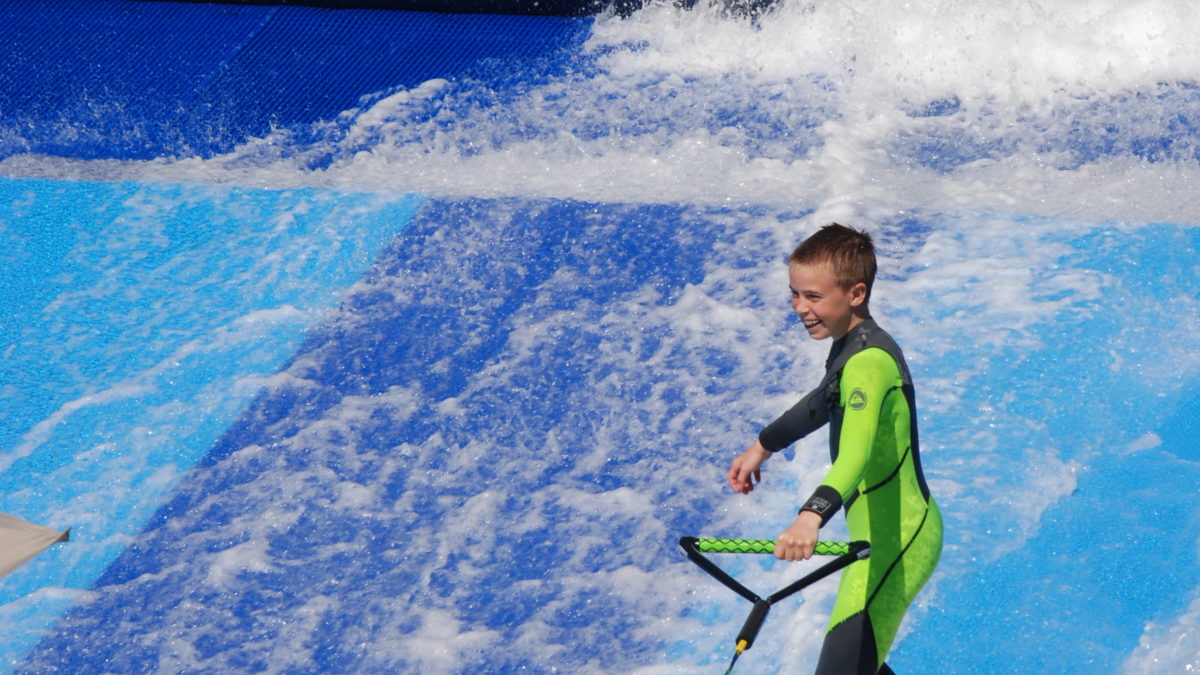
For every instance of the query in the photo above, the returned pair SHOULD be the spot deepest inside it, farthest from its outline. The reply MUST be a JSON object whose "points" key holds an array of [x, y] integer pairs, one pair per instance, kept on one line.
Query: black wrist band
{"points": [[825, 501]]}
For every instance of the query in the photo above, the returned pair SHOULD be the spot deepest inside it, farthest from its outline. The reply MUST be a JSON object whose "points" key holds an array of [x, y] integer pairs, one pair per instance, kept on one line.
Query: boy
{"points": [[867, 398]]}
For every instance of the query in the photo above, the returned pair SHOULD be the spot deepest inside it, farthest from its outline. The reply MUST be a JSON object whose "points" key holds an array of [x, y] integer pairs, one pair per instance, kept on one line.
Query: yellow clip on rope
{"points": [[741, 647]]}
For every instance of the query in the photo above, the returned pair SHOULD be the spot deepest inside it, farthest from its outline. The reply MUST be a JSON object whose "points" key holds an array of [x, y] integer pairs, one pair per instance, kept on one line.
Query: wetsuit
{"points": [[867, 399]]}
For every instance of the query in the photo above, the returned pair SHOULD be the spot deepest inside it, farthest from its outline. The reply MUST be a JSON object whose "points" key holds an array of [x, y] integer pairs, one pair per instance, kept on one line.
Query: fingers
{"points": [[741, 485], [739, 476], [792, 550], [798, 541], [734, 478], [745, 471], [742, 479]]}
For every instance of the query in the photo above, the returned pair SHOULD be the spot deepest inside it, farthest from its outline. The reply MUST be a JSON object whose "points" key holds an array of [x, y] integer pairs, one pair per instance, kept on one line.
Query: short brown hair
{"points": [[850, 253]]}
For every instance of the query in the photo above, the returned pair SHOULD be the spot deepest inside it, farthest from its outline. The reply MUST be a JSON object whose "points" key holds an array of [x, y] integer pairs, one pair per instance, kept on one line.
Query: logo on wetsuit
{"points": [[857, 400]]}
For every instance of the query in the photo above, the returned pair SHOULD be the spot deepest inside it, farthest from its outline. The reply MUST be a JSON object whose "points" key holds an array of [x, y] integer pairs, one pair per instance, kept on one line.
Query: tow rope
{"points": [[696, 547]]}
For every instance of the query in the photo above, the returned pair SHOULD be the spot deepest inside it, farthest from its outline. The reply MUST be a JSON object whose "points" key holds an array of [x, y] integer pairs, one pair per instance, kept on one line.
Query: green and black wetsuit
{"points": [[867, 398]]}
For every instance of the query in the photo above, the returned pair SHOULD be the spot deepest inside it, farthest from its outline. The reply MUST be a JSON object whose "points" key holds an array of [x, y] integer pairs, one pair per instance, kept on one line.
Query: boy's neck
{"points": [[856, 320]]}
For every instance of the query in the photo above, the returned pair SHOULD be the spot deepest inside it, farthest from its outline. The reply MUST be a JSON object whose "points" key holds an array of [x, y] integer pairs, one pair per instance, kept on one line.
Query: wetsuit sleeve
{"points": [[866, 380], [810, 414]]}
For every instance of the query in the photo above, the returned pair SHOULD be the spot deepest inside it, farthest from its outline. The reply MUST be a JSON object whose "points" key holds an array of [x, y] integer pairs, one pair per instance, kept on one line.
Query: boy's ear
{"points": [[858, 294]]}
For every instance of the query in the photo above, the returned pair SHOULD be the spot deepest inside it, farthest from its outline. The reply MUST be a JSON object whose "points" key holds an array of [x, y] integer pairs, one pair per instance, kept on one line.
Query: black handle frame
{"points": [[858, 551]]}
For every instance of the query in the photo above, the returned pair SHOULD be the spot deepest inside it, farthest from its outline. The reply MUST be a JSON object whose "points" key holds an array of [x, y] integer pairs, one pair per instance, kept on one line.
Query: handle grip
{"points": [[711, 545]]}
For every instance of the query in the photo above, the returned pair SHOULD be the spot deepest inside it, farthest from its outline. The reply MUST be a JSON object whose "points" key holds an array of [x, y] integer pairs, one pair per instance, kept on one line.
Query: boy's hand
{"points": [[798, 541], [746, 466]]}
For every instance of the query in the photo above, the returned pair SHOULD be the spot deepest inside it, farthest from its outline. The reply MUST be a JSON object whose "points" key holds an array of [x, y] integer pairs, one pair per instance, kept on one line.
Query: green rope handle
{"points": [[708, 545]]}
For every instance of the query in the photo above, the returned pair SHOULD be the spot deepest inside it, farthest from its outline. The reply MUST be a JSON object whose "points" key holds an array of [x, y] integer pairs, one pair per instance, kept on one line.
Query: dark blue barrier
{"points": [[121, 79], [539, 7]]}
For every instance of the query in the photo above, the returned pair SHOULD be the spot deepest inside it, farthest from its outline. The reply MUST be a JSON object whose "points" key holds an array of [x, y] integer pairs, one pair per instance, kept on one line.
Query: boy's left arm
{"points": [[865, 381]]}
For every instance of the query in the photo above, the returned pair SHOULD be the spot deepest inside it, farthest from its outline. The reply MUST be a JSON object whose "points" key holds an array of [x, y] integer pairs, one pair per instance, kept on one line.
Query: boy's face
{"points": [[826, 308]]}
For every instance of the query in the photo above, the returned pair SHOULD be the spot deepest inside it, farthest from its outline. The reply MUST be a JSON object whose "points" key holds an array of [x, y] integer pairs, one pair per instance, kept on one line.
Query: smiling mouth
{"points": [[811, 323]]}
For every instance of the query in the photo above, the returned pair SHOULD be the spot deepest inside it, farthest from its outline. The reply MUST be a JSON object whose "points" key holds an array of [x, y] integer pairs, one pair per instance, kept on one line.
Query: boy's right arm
{"points": [[747, 466], [809, 414]]}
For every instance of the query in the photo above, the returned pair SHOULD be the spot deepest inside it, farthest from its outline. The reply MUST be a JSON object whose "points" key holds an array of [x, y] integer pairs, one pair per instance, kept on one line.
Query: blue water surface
{"points": [[136, 323]]}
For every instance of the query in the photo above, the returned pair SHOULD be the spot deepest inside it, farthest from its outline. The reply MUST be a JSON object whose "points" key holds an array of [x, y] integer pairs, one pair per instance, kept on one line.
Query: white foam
{"points": [[1009, 51], [827, 94], [41, 431], [249, 556], [438, 646], [1168, 646]]}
